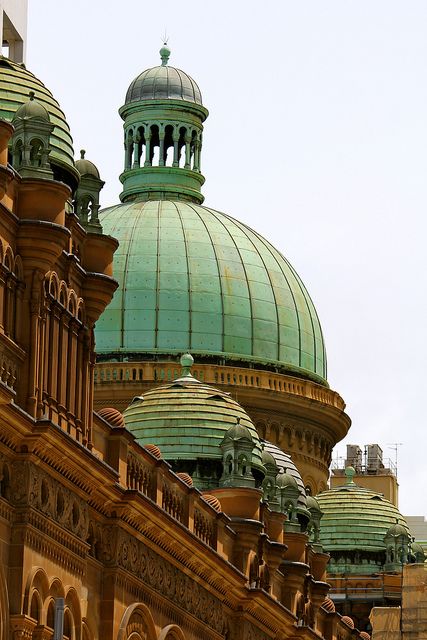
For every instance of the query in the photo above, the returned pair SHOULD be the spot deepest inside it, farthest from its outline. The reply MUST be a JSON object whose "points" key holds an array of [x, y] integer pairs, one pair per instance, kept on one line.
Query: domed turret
{"points": [[31, 140], [15, 84], [288, 469], [32, 110], [86, 202], [85, 167], [163, 123], [397, 541]]}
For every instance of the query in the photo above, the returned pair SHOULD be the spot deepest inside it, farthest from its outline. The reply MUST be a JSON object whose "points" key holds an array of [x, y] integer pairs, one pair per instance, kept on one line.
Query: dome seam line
{"points": [[287, 282], [190, 333], [123, 309], [246, 277], [219, 276]]}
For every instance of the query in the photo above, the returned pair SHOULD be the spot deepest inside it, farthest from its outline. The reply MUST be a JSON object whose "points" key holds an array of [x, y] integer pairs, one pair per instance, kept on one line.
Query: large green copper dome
{"points": [[193, 279], [15, 84]]}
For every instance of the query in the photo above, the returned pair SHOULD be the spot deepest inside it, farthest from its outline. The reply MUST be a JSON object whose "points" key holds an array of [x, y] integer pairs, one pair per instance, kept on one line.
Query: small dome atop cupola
{"points": [[164, 82], [86, 201], [32, 109], [86, 167]]}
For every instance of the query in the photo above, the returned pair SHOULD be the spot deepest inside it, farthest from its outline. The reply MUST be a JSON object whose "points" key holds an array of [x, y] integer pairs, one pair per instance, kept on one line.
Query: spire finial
{"points": [[186, 362], [82, 153], [165, 52]]}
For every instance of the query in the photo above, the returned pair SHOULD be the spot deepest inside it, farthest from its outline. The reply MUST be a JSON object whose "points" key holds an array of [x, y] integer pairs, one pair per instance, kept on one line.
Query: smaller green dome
{"points": [[238, 432], [188, 420], [268, 459], [86, 167], [313, 505], [287, 470], [397, 530], [164, 83], [354, 524], [285, 480], [32, 110]]}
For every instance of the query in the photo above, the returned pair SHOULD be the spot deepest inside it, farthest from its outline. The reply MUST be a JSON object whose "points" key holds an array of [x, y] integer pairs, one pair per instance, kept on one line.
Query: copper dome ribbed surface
{"points": [[188, 420], [163, 83], [194, 279], [355, 518]]}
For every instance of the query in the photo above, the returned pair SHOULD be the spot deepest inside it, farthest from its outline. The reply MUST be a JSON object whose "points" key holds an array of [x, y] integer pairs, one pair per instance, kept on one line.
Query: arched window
{"points": [[36, 152], [181, 144], [169, 146], [155, 143], [68, 625], [18, 155], [50, 619], [129, 149], [35, 607]]}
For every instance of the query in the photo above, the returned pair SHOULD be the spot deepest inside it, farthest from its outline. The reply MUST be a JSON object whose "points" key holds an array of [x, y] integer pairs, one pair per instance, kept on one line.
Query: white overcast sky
{"points": [[317, 138]]}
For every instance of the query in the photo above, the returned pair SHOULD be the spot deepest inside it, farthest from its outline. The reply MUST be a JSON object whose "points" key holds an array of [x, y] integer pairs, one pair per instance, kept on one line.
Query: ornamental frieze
{"points": [[120, 548], [30, 486]]}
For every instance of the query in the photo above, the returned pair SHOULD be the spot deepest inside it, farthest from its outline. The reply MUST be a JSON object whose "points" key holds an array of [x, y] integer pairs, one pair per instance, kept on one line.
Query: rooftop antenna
{"points": [[395, 446]]}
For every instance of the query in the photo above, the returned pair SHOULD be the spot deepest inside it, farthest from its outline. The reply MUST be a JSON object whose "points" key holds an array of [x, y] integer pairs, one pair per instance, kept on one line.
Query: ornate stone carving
{"points": [[119, 547], [32, 486]]}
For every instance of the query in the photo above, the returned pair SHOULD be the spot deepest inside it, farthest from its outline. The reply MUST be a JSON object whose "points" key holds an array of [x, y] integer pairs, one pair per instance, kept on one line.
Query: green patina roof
{"points": [[188, 419], [86, 167], [15, 84], [194, 279], [163, 82], [356, 519]]}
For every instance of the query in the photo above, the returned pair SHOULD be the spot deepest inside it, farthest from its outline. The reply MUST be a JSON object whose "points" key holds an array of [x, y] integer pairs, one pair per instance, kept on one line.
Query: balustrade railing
{"points": [[182, 502], [110, 372]]}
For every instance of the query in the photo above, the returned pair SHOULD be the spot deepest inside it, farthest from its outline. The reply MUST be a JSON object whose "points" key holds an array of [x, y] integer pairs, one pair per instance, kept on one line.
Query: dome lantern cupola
{"points": [[163, 122], [15, 83], [86, 202], [31, 140]]}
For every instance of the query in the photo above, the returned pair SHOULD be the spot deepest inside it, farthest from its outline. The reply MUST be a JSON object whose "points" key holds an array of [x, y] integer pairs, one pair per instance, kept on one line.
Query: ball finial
{"points": [[82, 154], [31, 95], [165, 53], [186, 362], [349, 474]]}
